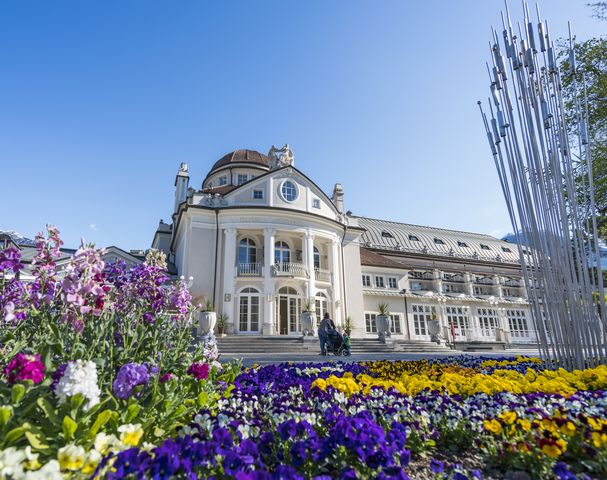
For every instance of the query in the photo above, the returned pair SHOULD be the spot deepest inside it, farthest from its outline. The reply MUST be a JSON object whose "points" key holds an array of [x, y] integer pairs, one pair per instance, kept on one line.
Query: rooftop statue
{"points": [[280, 157]]}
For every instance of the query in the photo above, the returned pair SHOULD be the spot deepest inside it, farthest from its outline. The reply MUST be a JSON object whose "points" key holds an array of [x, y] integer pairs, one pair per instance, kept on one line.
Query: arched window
{"points": [[282, 253], [247, 251], [316, 258], [288, 191], [248, 313]]}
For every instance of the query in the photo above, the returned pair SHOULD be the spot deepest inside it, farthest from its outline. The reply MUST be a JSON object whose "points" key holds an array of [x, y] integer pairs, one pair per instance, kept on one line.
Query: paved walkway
{"points": [[269, 358]]}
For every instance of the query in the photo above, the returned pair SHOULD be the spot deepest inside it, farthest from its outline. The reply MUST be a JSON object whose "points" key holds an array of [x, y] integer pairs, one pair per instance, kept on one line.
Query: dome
{"points": [[242, 156]]}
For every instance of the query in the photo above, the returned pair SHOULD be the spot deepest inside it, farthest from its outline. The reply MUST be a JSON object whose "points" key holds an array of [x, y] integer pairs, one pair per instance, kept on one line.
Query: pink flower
{"points": [[200, 371], [165, 378], [25, 367]]}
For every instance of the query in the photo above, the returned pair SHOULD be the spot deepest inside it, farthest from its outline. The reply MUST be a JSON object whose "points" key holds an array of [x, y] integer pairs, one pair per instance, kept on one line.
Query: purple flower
{"points": [[437, 466], [10, 259], [200, 371], [57, 374], [128, 377], [25, 367]]}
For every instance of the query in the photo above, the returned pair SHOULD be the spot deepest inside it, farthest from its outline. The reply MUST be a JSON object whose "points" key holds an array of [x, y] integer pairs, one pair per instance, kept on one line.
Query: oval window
{"points": [[288, 191]]}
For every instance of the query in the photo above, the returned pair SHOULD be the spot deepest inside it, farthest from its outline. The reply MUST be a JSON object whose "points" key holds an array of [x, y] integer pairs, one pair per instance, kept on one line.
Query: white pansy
{"points": [[49, 471], [79, 377], [10, 463]]}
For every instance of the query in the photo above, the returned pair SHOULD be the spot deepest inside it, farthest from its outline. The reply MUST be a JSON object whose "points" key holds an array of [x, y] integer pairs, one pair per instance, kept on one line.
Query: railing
{"points": [[249, 270], [421, 275], [448, 277], [483, 281], [289, 270], [322, 275], [511, 283]]}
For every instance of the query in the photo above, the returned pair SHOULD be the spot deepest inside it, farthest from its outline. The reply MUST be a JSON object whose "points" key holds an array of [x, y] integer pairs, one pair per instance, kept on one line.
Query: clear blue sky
{"points": [[101, 101]]}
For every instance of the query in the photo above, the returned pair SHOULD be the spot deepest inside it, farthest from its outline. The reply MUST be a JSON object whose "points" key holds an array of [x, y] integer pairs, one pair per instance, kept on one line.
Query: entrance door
{"points": [[283, 315], [288, 308], [248, 311]]}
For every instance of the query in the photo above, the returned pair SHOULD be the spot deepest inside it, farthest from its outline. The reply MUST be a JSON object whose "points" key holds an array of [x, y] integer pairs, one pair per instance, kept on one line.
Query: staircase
{"points": [[259, 345], [243, 344], [419, 346]]}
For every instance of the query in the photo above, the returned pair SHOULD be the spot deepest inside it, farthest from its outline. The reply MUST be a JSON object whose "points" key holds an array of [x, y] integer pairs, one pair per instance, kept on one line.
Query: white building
{"points": [[261, 240]]}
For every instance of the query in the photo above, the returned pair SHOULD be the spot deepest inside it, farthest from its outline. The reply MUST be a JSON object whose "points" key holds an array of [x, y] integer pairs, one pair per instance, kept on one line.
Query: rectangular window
{"points": [[392, 282], [517, 321], [222, 180], [257, 194], [316, 203], [370, 323], [458, 317], [241, 178], [395, 328], [379, 282], [366, 280], [487, 319], [422, 314]]}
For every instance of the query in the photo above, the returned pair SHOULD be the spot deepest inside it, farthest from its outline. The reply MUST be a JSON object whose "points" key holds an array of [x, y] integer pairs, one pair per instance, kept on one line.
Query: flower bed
{"points": [[351, 421], [101, 377]]}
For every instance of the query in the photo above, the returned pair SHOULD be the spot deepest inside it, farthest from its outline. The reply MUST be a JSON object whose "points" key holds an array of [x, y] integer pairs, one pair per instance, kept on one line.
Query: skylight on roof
{"points": [[485, 247], [413, 238], [506, 249], [386, 234], [438, 241], [462, 244]]}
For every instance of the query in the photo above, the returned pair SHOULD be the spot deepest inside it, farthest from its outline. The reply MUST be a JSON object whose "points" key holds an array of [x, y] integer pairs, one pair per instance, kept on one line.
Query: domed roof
{"points": [[242, 156]]}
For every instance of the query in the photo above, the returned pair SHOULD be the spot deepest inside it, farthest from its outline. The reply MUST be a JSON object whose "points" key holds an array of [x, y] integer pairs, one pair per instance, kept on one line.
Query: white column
{"points": [[498, 286], [229, 279], [469, 280], [269, 311], [310, 266], [336, 279]]}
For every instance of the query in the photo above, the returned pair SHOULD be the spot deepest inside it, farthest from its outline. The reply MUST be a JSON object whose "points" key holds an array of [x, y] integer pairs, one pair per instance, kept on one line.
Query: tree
{"points": [[591, 65]]}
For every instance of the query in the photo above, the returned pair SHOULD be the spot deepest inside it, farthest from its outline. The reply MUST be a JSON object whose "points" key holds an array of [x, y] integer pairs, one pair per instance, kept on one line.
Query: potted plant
{"points": [[383, 322], [434, 327], [348, 326], [222, 320], [307, 319], [206, 317]]}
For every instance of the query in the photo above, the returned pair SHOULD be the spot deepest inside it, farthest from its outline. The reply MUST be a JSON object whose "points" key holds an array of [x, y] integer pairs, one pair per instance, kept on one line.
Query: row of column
{"points": [[269, 315]]}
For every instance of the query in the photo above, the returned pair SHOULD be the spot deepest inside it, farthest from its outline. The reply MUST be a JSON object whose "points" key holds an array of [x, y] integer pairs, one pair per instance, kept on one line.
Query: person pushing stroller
{"points": [[330, 338]]}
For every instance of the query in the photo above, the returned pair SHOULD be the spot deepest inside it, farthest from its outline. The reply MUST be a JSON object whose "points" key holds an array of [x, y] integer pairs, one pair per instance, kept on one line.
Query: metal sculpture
{"points": [[546, 177]]}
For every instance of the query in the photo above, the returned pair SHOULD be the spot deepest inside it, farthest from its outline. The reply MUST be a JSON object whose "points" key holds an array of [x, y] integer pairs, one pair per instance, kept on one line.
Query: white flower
{"points": [[71, 457], [130, 434], [49, 471], [79, 377], [10, 463], [105, 443]]}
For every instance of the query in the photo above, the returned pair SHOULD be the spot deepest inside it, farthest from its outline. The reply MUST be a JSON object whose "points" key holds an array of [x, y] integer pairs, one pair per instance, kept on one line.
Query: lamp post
{"points": [[403, 292]]}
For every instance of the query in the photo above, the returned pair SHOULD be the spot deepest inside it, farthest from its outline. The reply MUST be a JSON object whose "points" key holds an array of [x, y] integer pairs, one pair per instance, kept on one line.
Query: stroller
{"points": [[336, 344]]}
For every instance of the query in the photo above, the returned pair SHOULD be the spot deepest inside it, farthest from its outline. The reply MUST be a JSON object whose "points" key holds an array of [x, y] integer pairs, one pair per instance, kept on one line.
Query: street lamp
{"points": [[403, 292]]}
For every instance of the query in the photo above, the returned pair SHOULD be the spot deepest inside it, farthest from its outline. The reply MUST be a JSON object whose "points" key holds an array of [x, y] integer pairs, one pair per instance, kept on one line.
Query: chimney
{"points": [[338, 197], [181, 185]]}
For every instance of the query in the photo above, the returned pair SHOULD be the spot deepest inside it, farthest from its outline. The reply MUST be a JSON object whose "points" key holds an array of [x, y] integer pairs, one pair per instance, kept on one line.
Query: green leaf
{"points": [[69, 428], [131, 412], [203, 399], [6, 412], [100, 421], [48, 410], [35, 441], [76, 401], [159, 432], [17, 392], [14, 435]]}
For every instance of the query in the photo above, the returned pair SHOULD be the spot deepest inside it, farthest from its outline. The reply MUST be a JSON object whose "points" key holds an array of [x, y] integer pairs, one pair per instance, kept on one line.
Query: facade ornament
{"points": [[280, 157]]}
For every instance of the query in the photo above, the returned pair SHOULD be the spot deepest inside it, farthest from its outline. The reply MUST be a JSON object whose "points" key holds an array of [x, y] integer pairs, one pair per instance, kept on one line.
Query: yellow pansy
{"points": [[493, 426], [71, 457], [130, 434], [508, 417], [92, 460]]}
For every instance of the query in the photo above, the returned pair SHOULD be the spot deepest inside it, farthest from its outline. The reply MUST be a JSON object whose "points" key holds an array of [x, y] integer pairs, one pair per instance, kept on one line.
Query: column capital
{"points": [[229, 231], [269, 231], [309, 235]]}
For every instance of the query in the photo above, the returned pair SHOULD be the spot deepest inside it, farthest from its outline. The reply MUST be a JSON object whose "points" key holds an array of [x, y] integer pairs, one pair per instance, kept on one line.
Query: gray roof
{"points": [[403, 237]]}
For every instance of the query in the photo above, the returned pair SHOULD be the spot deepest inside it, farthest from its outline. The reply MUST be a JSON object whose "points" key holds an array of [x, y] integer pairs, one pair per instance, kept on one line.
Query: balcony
{"points": [[421, 275], [322, 275], [285, 269], [249, 270], [511, 283], [483, 281], [453, 277]]}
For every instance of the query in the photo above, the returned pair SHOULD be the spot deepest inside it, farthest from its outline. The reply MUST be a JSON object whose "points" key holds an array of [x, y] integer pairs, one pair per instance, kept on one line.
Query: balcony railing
{"points": [[483, 281], [289, 270], [511, 283], [249, 270], [421, 275], [322, 275], [451, 277]]}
